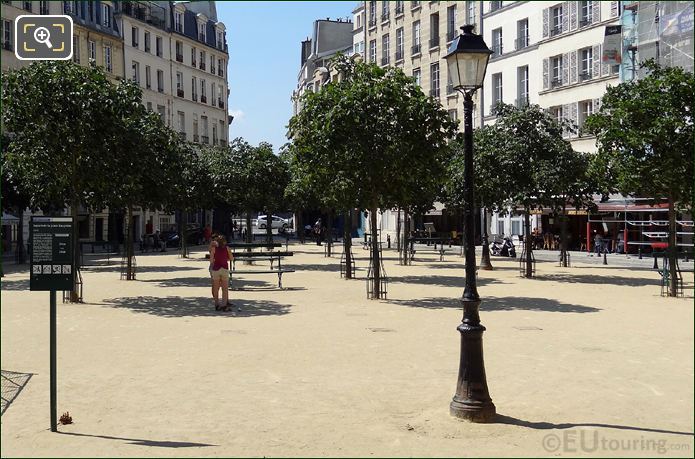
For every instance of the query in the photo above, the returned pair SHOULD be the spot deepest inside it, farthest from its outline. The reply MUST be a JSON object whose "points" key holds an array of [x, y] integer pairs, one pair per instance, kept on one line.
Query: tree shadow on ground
{"points": [[598, 279], [22, 284], [445, 281], [176, 306], [141, 269], [139, 442], [490, 304], [205, 282], [502, 419], [331, 267]]}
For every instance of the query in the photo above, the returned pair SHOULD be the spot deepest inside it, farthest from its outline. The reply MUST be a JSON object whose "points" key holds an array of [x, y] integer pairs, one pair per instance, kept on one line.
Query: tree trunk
{"points": [[129, 243], [20, 238], [347, 243], [75, 294], [527, 243], [405, 245], [376, 263], [182, 234], [398, 233], [329, 230], [299, 226], [485, 258], [563, 238], [269, 227], [672, 249]]}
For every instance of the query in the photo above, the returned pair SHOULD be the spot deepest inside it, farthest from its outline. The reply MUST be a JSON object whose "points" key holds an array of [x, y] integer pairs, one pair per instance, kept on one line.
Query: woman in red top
{"points": [[220, 256]]}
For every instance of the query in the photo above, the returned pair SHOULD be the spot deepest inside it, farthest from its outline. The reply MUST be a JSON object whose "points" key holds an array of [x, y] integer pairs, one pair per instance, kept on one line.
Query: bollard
{"points": [[605, 262], [656, 265], [388, 241]]}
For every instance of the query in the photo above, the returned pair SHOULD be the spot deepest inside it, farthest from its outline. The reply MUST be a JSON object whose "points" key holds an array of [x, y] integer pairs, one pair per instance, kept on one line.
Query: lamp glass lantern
{"points": [[467, 59]]}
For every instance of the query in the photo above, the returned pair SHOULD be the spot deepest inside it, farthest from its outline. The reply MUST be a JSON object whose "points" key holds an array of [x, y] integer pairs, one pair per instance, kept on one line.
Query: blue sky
{"points": [[264, 56]]}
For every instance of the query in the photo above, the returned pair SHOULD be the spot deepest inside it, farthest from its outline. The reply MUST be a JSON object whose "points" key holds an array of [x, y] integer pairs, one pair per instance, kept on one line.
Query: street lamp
{"points": [[467, 60]]}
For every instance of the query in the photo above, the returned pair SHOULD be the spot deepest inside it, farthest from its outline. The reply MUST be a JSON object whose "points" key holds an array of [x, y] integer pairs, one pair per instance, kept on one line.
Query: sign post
{"points": [[52, 268]]}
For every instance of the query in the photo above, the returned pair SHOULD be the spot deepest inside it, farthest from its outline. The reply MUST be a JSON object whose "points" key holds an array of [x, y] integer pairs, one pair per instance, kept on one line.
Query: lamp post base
{"points": [[473, 411]]}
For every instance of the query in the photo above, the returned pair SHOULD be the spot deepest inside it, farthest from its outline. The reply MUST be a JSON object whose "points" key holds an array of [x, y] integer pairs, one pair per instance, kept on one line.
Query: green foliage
{"points": [[644, 131]]}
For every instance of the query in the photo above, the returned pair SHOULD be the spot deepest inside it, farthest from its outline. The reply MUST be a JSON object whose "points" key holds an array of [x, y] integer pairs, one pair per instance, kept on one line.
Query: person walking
{"points": [[220, 256], [598, 243], [317, 231]]}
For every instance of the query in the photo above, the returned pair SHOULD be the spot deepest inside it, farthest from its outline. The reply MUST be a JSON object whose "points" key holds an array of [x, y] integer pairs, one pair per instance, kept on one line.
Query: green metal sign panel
{"points": [[52, 266]]}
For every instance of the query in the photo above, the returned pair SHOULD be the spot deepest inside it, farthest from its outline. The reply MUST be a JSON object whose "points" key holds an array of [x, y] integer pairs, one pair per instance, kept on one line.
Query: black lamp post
{"points": [[467, 60]]}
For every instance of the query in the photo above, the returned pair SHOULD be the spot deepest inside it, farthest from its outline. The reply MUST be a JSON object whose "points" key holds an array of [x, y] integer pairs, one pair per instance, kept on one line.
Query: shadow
{"points": [[461, 266], [490, 304], [116, 268], [598, 279], [22, 284], [176, 306], [204, 282], [502, 419], [12, 384], [331, 267], [135, 441], [446, 281]]}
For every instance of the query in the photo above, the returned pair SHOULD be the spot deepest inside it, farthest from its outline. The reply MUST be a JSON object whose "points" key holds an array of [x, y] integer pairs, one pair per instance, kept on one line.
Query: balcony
{"points": [[434, 42], [585, 21], [205, 139], [179, 57], [450, 35], [202, 65], [179, 92], [496, 50], [372, 21], [193, 62], [220, 103], [434, 92], [556, 82], [195, 138], [522, 101], [204, 99], [385, 60], [385, 16], [585, 75], [212, 69], [521, 42], [194, 97], [220, 72], [399, 55], [147, 48], [555, 31], [415, 49]]}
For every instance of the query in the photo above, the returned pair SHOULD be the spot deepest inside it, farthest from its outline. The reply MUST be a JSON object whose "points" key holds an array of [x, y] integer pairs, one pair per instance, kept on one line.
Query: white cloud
{"points": [[237, 114]]}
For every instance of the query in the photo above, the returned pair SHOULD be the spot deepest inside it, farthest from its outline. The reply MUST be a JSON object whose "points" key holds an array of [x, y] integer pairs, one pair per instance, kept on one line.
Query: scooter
{"points": [[506, 249]]}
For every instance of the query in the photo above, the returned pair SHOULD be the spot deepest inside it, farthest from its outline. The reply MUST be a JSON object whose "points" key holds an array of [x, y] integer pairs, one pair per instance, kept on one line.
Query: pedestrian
{"points": [[598, 243], [220, 256], [157, 242], [317, 231]]}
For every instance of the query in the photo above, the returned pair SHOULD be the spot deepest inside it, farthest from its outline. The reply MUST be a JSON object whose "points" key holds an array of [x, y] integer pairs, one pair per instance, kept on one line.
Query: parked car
{"points": [[171, 238], [277, 223]]}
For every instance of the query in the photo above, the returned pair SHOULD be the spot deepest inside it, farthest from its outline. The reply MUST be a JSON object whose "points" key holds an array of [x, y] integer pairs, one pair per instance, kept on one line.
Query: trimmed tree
{"points": [[644, 132]]}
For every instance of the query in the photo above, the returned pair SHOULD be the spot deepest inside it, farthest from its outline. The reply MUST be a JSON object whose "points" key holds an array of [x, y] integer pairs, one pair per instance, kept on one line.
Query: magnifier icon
{"points": [[42, 35]]}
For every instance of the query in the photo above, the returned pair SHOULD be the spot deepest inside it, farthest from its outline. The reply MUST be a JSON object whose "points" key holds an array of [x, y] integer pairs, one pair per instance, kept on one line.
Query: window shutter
{"points": [[596, 64], [595, 11], [614, 9], [566, 68], [566, 116], [573, 116], [565, 16], [545, 73], [546, 23], [597, 105], [573, 66], [573, 15]]}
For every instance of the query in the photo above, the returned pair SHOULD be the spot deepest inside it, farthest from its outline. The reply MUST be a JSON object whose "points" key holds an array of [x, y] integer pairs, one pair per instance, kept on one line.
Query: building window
{"points": [[202, 60], [372, 51], [195, 127], [106, 15], [497, 42], [194, 89], [179, 84], [385, 49], [178, 22], [556, 25], [416, 37], [470, 13], [6, 34], [496, 91], [205, 138], [161, 109], [92, 52], [414, 4], [417, 76], [220, 67], [522, 86], [212, 64], [384, 11], [203, 93], [453, 114], [522, 34], [90, 11], [136, 72], [67, 7], [201, 32], [147, 42], [148, 77], [222, 141], [494, 6], [182, 121], [434, 30], [149, 106], [434, 80], [43, 7], [194, 53], [214, 133], [556, 71], [586, 10], [399, 44], [220, 39], [76, 49], [586, 109], [160, 81], [135, 37], [399, 7], [587, 63], [107, 59], [158, 46], [372, 13], [179, 51], [213, 94], [219, 98], [451, 23]]}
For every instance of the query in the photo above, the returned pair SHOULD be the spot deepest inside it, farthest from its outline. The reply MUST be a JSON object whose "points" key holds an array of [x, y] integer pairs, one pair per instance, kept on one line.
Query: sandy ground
{"points": [[587, 360]]}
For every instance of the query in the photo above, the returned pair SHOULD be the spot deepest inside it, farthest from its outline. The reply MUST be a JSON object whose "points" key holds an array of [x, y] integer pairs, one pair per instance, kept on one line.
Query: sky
{"points": [[264, 40]]}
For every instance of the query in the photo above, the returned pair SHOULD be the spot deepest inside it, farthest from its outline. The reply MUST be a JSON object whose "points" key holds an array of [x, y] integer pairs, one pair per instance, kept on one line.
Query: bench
{"points": [[278, 271], [252, 256]]}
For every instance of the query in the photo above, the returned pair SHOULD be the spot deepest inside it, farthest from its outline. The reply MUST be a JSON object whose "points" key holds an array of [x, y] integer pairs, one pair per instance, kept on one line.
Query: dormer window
{"points": [[220, 39], [178, 21], [201, 32]]}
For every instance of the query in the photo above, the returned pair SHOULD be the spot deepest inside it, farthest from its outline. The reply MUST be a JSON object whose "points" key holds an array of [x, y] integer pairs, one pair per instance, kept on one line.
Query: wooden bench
{"points": [[278, 271], [253, 256]]}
